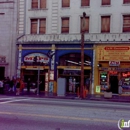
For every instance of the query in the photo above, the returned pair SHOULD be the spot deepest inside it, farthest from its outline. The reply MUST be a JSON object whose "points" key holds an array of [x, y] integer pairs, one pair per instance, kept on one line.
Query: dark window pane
{"points": [[65, 3], [34, 4]]}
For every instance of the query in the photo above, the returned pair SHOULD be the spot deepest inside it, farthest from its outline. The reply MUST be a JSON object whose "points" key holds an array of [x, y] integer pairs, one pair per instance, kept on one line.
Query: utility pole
{"points": [[38, 80], [35, 60], [82, 54]]}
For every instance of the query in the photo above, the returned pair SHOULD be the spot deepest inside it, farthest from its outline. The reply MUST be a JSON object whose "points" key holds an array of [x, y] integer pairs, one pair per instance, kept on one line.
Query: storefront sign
{"points": [[113, 53], [126, 74], [113, 72], [114, 63], [40, 58], [114, 69]]}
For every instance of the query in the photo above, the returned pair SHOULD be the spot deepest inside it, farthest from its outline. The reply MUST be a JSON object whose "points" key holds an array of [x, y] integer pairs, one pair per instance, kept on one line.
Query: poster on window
{"points": [[51, 75], [46, 77], [46, 86], [51, 84]]}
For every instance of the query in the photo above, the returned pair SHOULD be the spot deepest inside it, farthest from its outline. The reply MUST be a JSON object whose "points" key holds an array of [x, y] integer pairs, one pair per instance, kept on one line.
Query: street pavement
{"points": [[115, 98], [38, 113]]}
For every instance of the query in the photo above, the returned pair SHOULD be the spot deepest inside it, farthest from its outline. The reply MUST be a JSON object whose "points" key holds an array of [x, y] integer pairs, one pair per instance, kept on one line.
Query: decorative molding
{"points": [[96, 38]]}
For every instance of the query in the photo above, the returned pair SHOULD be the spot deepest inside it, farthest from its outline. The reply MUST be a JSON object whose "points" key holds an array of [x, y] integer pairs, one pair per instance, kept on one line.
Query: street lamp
{"points": [[83, 25]]}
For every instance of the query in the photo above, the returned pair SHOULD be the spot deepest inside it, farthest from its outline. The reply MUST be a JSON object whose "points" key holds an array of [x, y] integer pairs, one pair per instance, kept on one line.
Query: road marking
{"points": [[14, 101], [86, 108], [60, 117], [7, 98]]}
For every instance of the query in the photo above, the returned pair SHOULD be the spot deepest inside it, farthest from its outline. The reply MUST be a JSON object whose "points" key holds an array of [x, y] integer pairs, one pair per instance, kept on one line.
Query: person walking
{"points": [[11, 84], [1, 87], [21, 86], [18, 87], [28, 85]]}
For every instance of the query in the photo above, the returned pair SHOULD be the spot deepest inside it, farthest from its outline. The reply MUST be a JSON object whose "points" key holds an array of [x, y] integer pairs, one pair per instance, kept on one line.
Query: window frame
{"points": [[33, 22], [126, 23], [125, 2], [38, 26], [105, 4], [82, 5], [65, 18], [39, 4], [103, 31], [32, 2], [62, 4]]}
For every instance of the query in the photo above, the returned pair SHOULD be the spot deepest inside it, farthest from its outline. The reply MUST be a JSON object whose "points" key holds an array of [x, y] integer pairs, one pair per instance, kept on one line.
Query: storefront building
{"points": [[53, 61], [112, 69]]}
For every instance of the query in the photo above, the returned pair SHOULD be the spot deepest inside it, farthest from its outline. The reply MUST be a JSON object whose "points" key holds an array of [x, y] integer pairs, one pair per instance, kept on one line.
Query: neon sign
{"points": [[126, 74], [113, 72]]}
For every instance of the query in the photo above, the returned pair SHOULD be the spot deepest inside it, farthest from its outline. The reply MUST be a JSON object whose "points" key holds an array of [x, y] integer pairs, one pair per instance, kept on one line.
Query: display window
{"points": [[103, 81], [125, 82]]}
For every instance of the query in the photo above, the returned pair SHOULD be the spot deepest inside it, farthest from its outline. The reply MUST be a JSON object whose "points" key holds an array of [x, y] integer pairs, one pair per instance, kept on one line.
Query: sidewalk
{"points": [[115, 98]]}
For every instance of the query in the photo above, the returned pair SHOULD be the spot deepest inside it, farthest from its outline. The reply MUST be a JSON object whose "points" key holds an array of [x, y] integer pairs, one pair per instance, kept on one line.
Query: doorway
{"points": [[2, 73], [114, 84], [33, 75]]}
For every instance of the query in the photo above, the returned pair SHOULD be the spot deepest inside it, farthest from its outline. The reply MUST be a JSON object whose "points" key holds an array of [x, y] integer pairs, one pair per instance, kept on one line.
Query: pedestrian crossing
{"points": [[5, 100]]}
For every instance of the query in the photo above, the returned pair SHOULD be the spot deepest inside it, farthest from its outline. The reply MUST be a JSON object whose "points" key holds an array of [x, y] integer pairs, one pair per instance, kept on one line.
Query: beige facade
{"points": [[116, 15], [8, 23]]}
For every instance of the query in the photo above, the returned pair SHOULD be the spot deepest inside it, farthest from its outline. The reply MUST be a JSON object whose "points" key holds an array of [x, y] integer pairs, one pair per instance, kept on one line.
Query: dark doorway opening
{"points": [[114, 84], [2, 73], [33, 75]]}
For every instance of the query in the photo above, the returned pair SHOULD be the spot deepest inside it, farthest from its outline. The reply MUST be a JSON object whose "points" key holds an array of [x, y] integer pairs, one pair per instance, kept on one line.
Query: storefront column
{"points": [[19, 61], [52, 86], [93, 76]]}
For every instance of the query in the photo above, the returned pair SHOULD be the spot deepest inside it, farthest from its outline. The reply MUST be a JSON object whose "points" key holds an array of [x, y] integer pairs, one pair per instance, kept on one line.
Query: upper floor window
{"points": [[85, 2], [65, 3], [38, 4], [126, 1], [106, 2], [105, 24], [126, 23], [65, 25], [86, 26], [38, 26]]}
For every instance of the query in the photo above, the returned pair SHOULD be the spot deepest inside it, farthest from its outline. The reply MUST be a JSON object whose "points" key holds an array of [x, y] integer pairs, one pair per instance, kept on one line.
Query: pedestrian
{"points": [[11, 84], [21, 86], [28, 85], [18, 86], [7, 83], [1, 87]]}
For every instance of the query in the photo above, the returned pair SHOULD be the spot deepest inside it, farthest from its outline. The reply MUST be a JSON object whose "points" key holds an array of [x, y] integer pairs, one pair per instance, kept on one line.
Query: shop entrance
{"points": [[73, 79], [33, 75], [2, 72], [114, 84]]}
